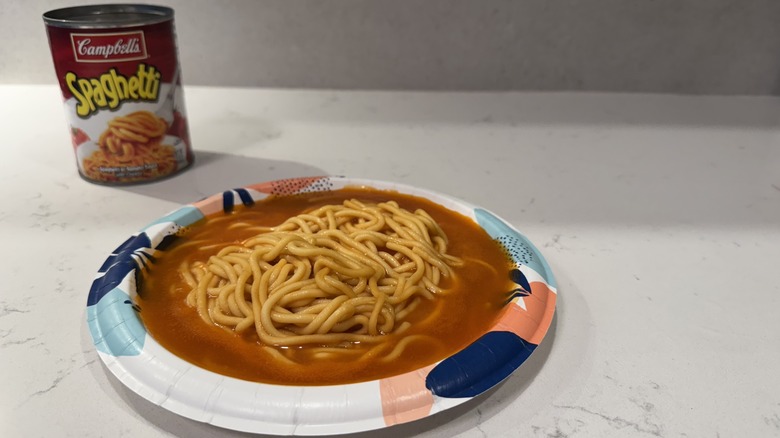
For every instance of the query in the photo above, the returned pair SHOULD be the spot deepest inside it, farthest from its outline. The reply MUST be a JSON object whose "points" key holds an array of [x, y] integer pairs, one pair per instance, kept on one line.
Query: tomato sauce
{"points": [[471, 305]]}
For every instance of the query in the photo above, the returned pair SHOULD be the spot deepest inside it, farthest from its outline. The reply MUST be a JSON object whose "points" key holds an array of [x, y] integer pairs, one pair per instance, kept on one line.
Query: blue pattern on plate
{"points": [[521, 249], [117, 266], [111, 314], [229, 199], [246, 198], [114, 325], [184, 216], [480, 366], [495, 355]]}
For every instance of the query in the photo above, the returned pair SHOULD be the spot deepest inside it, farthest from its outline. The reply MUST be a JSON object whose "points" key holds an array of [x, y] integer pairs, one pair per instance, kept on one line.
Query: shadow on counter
{"points": [[214, 172]]}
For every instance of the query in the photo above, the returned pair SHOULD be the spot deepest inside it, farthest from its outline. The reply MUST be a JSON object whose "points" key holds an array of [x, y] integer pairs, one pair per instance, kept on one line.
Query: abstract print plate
{"points": [[157, 375]]}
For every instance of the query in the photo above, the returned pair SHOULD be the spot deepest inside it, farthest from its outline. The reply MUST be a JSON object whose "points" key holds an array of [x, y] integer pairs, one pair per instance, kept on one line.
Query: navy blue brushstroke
{"points": [[518, 277], [116, 267], [480, 366], [164, 243], [228, 201], [135, 307], [246, 199], [517, 293]]}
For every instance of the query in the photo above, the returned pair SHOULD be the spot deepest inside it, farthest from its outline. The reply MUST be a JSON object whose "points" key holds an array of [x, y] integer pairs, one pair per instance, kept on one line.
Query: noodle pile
{"points": [[132, 143], [332, 277]]}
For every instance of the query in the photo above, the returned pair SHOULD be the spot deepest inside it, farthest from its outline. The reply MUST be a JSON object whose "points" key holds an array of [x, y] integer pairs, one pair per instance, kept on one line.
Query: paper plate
{"points": [[154, 373]]}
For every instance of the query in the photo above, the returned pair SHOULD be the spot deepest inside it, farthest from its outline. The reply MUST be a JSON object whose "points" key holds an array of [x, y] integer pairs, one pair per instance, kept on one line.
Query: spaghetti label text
{"points": [[111, 89]]}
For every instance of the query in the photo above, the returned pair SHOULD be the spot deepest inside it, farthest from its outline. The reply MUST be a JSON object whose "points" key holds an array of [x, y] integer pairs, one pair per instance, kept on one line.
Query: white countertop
{"points": [[659, 215]]}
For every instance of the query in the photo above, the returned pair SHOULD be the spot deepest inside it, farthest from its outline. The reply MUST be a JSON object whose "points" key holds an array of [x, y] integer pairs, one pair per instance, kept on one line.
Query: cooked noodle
{"points": [[132, 147], [128, 135], [329, 278]]}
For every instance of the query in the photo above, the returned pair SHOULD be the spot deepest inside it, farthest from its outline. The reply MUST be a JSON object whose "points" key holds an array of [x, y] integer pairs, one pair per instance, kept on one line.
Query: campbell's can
{"points": [[118, 69]]}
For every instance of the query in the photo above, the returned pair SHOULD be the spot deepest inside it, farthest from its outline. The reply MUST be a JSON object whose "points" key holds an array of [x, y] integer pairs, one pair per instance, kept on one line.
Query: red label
{"points": [[152, 45], [122, 93], [105, 47]]}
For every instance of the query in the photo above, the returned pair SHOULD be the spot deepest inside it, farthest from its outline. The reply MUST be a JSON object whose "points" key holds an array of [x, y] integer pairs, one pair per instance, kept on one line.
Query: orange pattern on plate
{"points": [[530, 323]]}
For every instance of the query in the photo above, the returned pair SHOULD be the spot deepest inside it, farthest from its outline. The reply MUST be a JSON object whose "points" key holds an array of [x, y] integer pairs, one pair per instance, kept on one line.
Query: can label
{"points": [[95, 47], [123, 98]]}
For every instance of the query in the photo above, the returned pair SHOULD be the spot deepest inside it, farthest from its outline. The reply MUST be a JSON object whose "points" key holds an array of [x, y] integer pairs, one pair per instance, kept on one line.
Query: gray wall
{"points": [[670, 46]]}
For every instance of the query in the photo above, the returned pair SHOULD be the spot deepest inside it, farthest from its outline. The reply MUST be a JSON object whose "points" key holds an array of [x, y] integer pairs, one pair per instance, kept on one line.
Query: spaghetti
{"points": [[128, 136], [333, 277], [131, 149]]}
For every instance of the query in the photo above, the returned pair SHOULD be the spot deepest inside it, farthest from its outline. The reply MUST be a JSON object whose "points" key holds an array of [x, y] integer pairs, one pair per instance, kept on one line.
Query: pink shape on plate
{"points": [[405, 397], [210, 205], [286, 186]]}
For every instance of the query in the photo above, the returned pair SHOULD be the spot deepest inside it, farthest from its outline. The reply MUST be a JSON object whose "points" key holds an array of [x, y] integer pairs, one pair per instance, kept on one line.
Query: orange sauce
{"points": [[470, 307]]}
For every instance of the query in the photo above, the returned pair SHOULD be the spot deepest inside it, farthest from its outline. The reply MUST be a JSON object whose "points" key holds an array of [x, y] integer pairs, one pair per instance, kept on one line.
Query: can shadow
{"points": [[213, 172]]}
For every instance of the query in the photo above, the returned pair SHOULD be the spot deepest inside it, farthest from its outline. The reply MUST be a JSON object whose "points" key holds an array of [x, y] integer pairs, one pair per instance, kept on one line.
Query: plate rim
{"points": [[175, 399]]}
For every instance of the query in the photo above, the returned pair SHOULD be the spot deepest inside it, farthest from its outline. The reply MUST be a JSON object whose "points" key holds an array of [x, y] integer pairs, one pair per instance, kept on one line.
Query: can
{"points": [[119, 72]]}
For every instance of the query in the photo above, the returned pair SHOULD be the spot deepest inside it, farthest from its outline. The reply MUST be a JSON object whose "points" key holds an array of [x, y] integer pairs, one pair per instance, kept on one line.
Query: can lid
{"points": [[107, 16]]}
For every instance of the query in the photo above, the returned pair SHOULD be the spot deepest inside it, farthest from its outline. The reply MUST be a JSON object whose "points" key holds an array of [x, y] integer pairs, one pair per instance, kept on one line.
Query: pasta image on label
{"points": [[118, 69], [132, 143]]}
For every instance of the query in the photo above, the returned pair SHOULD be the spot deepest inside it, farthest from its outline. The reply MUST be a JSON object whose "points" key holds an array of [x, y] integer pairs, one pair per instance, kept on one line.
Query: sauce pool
{"points": [[471, 305]]}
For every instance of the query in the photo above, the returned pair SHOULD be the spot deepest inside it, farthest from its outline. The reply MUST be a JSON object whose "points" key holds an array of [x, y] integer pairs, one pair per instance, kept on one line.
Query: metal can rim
{"points": [[89, 16]]}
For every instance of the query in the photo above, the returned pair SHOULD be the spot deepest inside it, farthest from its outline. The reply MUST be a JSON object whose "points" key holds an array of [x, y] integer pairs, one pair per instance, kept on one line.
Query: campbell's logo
{"points": [[102, 47]]}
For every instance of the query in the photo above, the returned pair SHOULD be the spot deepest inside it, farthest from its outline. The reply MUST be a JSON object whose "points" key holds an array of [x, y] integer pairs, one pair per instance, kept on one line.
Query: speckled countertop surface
{"points": [[660, 216]]}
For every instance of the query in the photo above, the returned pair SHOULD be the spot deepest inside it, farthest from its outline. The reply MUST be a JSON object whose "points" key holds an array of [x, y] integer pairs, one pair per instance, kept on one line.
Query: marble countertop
{"points": [[660, 216]]}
